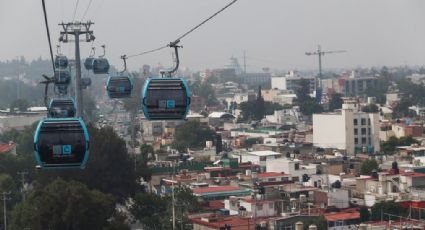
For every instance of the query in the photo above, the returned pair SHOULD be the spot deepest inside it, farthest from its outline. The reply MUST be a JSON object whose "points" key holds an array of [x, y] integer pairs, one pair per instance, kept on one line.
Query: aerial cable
{"points": [[48, 34], [87, 9], [75, 10], [185, 34]]}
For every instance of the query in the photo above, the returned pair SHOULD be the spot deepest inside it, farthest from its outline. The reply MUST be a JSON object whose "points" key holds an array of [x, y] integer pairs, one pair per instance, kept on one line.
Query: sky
{"points": [[272, 33]]}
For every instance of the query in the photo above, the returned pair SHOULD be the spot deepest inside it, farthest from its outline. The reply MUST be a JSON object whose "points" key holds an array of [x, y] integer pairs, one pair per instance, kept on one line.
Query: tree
{"points": [[303, 90], [249, 109], [309, 107], [206, 91], [259, 106], [335, 102], [364, 214], [109, 168], [387, 207], [64, 205], [402, 109], [151, 210], [192, 135], [146, 155], [320, 222], [371, 108], [367, 166], [389, 146]]}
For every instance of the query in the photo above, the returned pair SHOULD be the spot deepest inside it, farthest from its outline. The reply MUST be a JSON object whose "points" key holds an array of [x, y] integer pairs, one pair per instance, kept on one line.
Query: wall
{"points": [[329, 131]]}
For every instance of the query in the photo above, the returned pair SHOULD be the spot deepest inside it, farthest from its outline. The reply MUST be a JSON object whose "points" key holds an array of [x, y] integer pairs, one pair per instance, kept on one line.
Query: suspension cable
{"points": [[75, 10], [87, 9], [187, 33], [48, 34]]}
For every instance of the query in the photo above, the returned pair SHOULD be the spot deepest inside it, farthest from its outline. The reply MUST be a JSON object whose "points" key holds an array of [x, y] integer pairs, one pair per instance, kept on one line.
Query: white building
{"points": [[349, 129], [292, 167], [291, 81], [260, 157], [258, 207], [286, 116]]}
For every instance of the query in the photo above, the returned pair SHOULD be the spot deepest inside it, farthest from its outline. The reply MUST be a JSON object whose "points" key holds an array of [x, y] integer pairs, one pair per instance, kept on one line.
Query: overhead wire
{"points": [[85, 11], [75, 10], [48, 34], [187, 33]]}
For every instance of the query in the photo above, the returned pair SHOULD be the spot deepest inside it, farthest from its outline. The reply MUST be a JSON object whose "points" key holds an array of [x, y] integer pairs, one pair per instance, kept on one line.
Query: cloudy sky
{"points": [[273, 33]]}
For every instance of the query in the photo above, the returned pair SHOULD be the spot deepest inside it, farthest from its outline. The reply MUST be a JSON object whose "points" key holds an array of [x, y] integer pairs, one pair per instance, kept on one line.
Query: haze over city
{"points": [[274, 33]]}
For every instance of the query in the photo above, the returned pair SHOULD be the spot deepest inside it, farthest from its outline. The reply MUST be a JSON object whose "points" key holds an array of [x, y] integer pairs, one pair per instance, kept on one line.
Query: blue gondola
{"points": [[61, 62], [62, 89], [100, 66], [88, 63], [61, 108], [61, 143], [119, 85], [62, 77], [166, 99]]}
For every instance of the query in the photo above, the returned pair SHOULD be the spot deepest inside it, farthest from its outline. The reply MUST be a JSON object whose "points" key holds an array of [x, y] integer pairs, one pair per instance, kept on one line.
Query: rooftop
{"points": [[342, 216], [271, 174], [263, 153], [215, 189]]}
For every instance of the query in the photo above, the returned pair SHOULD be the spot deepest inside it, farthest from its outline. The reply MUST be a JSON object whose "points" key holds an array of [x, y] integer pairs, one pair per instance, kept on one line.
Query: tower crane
{"points": [[317, 83]]}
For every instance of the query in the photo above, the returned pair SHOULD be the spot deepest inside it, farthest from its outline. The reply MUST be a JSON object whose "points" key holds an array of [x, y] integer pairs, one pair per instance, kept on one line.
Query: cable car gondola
{"points": [[88, 63], [166, 99], [119, 85], [61, 143], [100, 65], [61, 62], [61, 108], [62, 77]]}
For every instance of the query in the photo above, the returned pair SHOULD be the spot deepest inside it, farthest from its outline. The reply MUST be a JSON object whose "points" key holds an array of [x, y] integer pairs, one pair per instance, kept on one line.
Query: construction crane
{"points": [[317, 82]]}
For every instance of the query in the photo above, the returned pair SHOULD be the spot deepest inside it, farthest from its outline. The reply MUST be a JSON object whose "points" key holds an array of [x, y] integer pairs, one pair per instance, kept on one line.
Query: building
{"points": [[217, 119], [197, 103], [260, 157], [354, 86], [291, 81], [292, 167], [253, 80], [348, 129], [220, 192]]}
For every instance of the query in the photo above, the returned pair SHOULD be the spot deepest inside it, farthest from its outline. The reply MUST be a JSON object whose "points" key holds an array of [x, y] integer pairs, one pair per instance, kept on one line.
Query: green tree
{"points": [[303, 90], [309, 107], [206, 91], [367, 166], [402, 108], [387, 207], [249, 109], [64, 205], [335, 102], [320, 222], [389, 146], [192, 135], [109, 168], [364, 214], [371, 108], [151, 210], [146, 155], [259, 111]]}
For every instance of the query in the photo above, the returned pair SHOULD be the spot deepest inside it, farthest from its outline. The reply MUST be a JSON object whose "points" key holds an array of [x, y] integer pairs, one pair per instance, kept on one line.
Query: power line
{"points": [[75, 10], [48, 34], [85, 12], [187, 33]]}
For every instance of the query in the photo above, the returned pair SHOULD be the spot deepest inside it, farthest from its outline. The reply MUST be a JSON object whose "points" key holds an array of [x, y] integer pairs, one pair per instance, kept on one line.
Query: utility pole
{"points": [[76, 29], [22, 174], [5, 198], [317, 80]]}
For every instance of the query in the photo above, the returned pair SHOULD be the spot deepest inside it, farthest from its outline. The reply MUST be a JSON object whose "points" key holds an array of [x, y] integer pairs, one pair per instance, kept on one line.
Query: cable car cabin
{"points": [[62, 89], [61, 62], [61, 143], [62, 77], [61, 108], [166, 99], [88, 63], [119, 85], [100, 66]]}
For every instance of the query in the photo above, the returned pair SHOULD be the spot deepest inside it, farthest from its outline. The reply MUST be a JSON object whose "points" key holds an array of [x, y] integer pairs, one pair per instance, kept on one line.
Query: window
{"points": [[271, 206], [368, 121], [363, 131], [355, 131], [356, 141], [271, 179], [363, 121], [369, 140], [368, 131], [259, 207], [355, 121], [363, 140], [297, 166]]}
